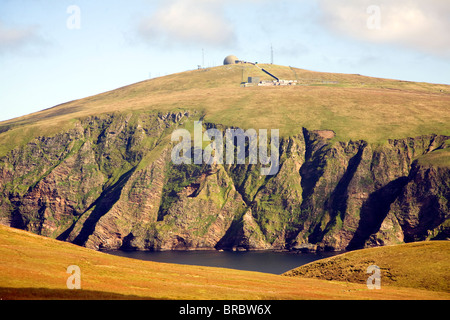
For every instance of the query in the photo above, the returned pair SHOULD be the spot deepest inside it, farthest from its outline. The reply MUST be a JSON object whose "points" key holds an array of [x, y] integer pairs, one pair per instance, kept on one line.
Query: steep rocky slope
{"points": [[109, 182]]}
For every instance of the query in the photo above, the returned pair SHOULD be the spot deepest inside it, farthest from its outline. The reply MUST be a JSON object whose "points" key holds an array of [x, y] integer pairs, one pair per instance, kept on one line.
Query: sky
{"points": [[55, 51]]}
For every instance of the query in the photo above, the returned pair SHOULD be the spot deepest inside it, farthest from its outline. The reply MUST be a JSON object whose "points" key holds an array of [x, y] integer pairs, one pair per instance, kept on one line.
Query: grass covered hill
{"points": [[415, 265], [34, 267], [354, 106]]}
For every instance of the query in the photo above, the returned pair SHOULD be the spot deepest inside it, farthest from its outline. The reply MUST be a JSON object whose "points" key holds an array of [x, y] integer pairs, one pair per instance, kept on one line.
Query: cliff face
{"points": [[110, 183]]}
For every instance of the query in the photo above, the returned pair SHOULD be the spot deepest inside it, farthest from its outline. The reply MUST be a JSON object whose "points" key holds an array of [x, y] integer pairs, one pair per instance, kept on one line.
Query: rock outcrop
{"points": [[109, 183]]}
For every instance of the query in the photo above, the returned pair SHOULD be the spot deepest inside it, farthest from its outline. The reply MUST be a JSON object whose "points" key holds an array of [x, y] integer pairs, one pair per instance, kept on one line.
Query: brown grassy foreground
{"points": [[34, 267], [421, 265]]}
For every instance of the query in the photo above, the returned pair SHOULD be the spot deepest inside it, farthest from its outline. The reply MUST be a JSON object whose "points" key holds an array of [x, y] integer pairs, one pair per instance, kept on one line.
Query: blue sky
{"points": [[51, 53]]}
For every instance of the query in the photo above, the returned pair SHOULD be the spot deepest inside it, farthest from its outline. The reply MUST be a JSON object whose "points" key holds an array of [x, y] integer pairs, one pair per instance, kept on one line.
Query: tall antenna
{"points": [[271, 54]]}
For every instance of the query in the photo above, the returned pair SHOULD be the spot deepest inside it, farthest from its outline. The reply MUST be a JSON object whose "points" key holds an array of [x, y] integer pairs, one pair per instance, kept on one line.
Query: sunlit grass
{"points": [[355, 107], [420, 265], [34, 267]]}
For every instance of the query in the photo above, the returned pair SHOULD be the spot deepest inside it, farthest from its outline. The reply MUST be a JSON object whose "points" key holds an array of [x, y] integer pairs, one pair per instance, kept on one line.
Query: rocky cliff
{"points": [[109, 183]]}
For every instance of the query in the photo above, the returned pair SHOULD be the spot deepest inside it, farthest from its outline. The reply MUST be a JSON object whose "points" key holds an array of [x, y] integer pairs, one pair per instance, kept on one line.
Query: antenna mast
{"points": [[203, 58], [271, 54]]}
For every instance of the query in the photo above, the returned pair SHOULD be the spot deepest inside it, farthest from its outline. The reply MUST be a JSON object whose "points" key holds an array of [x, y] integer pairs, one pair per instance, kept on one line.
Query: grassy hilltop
{"points": [[354, 106]]}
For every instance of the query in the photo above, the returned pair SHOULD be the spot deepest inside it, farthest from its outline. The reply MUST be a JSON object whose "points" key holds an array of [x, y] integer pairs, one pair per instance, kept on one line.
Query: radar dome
{"points": [[230, 60]]}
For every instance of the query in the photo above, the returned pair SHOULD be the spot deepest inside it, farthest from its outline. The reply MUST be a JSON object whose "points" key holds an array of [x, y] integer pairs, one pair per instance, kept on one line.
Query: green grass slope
{"points": [[34, 267], [355, 107], [421, 265]]}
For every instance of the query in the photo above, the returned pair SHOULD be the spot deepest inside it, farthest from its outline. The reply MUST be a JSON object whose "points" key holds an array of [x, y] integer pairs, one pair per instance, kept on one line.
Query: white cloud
{"points": [[417, 24], [17, 38], [189, 22]]}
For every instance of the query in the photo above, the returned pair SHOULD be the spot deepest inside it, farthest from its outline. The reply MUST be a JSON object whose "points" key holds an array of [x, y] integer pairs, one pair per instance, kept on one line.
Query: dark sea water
{"points": [[262, 261]]}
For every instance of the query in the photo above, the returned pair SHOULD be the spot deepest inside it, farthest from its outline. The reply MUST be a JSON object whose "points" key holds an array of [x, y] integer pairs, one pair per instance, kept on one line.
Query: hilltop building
{"points": [[255, 80], [232, 59]]}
